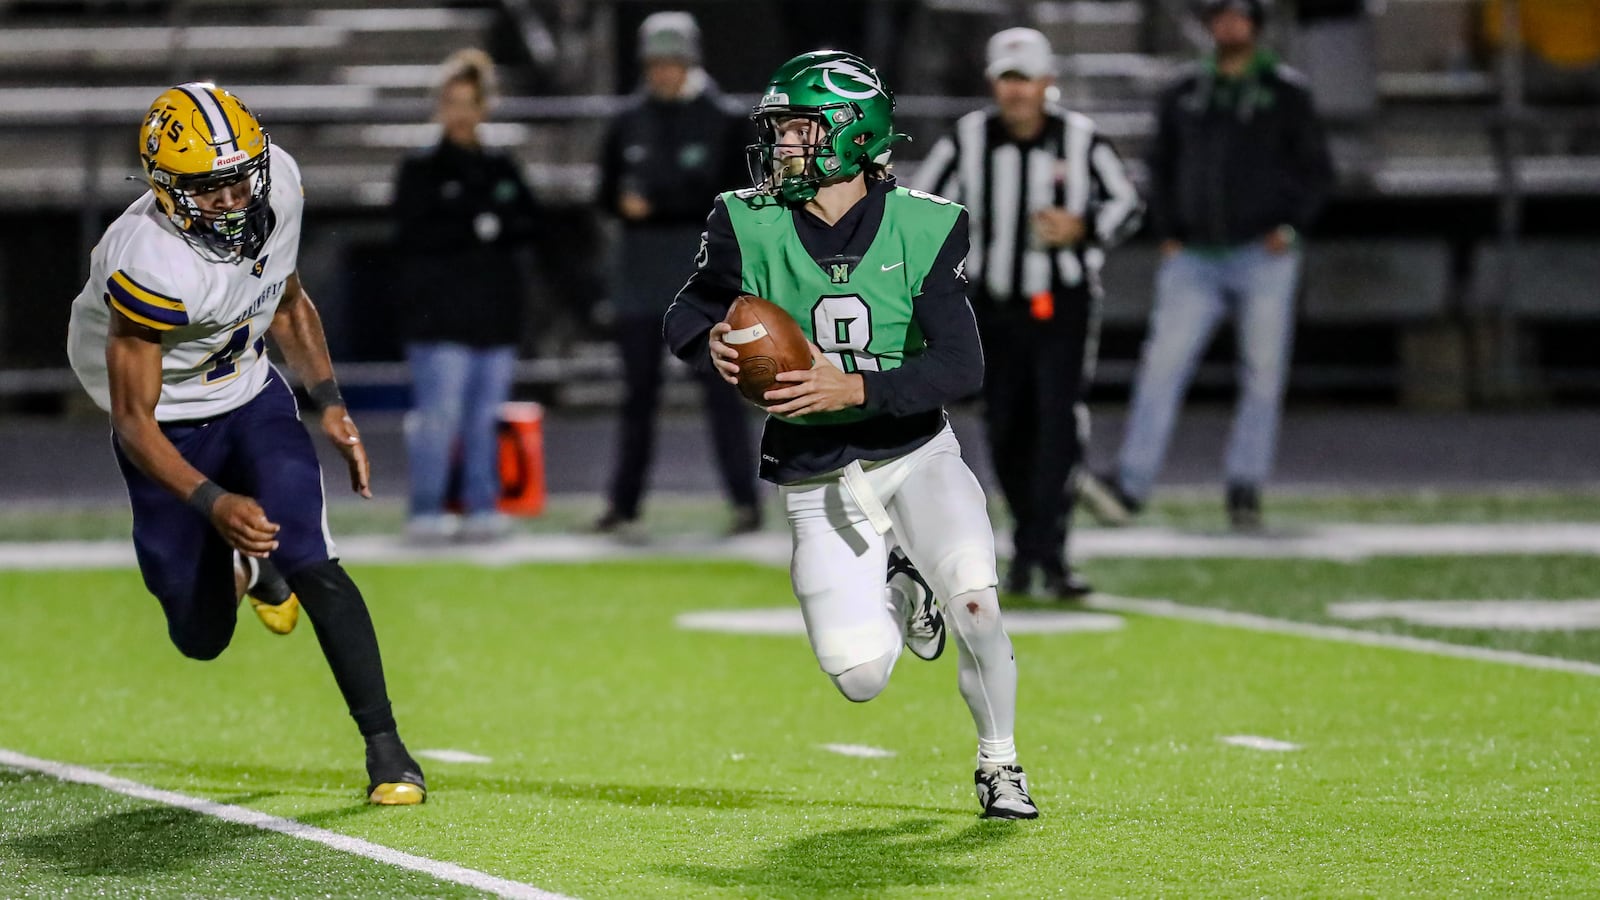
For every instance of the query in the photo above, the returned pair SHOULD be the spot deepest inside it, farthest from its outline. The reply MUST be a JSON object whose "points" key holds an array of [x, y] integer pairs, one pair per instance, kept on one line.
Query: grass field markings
{"points": [[787, 620], [241, 815], [454, 756], [1168, 609], [861, 750], [1501, 615], [1256, 742]]}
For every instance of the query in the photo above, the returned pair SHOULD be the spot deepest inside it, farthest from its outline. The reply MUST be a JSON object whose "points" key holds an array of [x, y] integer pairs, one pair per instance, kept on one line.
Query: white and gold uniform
{"points": [[213, 316]]}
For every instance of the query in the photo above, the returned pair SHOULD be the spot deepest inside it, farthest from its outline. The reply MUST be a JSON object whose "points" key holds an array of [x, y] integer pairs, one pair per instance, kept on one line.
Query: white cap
{"points": [[670, 35], [1021, 50]]}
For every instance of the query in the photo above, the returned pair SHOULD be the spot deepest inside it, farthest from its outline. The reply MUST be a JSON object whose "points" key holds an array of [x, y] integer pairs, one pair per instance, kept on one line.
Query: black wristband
{"points": [[325, 394], [204, 497]]}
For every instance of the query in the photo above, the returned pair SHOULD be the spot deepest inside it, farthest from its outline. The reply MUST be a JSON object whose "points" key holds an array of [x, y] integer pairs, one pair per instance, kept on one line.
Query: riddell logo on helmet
{"points": [[231, 159]]}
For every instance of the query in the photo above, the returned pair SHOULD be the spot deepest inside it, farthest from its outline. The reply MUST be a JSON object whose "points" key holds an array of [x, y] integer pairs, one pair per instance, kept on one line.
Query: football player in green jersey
{"points": [[869, 471]]}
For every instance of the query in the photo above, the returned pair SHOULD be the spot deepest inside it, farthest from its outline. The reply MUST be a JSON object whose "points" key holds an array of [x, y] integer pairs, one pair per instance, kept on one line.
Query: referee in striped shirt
{"points": [[1047, 195]]}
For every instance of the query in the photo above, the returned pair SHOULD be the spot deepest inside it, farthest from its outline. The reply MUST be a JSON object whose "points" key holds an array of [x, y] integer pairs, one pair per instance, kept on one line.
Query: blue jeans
{"points": [[456, 395], [1193, 292]]}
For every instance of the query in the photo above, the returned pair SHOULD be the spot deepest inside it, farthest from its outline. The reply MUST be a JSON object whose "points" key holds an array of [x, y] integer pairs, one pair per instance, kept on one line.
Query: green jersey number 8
{"points": [[843, 326]]}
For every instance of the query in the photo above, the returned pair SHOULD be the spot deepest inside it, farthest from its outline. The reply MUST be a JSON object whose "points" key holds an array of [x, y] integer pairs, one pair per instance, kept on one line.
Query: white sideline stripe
{"points": [[1256, 742], [861, 750], [240, 815], [1336, 542], [1501, 615], [1168, 609], [454, 756]]}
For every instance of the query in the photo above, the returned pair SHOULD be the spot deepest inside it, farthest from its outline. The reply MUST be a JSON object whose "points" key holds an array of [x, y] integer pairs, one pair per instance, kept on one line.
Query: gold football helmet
{"points": [[199, 138]]}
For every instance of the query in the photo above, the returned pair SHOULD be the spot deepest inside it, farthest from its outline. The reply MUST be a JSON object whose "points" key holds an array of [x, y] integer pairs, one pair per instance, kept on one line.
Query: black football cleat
{"points": [[925, 631], [396, 779]]}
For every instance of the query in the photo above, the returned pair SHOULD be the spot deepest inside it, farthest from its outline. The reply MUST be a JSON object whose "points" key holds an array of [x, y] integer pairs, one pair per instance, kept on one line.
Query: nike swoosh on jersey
{"points": [[895, 266]]}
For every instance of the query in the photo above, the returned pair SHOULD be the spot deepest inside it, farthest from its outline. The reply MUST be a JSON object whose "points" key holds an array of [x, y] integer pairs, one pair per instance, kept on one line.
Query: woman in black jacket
{"points": [[461, 210]]}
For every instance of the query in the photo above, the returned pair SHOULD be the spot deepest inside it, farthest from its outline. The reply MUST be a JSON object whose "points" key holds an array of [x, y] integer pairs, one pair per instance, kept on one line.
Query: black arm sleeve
{"points": [[704, 299], [952, 365]]}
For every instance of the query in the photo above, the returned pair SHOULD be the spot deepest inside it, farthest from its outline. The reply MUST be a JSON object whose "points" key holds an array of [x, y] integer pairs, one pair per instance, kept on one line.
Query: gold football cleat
{"points": [[397, 793], [280, 618]]}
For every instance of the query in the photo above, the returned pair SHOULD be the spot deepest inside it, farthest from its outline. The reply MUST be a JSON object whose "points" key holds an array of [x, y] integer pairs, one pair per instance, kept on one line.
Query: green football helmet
{"points": [[843, 94]]}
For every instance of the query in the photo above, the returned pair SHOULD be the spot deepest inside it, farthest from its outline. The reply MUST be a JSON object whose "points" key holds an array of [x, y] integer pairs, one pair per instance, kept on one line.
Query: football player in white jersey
{"points": [[169, 337]]}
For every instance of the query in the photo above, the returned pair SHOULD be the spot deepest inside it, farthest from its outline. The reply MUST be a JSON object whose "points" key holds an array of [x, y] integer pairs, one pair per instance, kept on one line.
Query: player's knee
{"points": [[975, 614], [861, 683], [321, 581], [965, 570], [201, 643]]}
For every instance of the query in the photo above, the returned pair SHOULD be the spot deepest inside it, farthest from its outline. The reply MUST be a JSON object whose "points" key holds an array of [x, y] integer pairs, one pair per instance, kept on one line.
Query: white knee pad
{"points": [[968, 568], [842, 647], [861, 683]]}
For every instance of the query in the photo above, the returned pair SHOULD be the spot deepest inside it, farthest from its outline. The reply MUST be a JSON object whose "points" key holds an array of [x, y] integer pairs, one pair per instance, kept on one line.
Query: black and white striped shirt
{"points": [[1002, 181]]}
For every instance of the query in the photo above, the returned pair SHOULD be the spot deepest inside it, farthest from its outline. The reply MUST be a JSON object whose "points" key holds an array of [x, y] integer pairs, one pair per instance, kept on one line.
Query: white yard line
{"points": [[442, 871], [454, 756], [862, 750], [1257, 742], [1168, 609]]}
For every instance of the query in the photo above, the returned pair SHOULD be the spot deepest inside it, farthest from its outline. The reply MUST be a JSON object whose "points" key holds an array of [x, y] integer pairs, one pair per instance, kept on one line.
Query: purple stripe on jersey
{"points": [[150, 311]]}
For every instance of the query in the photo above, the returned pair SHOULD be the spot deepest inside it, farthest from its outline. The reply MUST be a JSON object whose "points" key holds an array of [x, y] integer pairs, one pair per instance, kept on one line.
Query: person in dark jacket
{"points": [[676, 145], [462, 212], [1238, 170]]}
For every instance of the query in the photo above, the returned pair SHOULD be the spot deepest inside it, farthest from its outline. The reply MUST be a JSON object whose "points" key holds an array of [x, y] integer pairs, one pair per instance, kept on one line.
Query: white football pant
{"points": [[929, 504]]}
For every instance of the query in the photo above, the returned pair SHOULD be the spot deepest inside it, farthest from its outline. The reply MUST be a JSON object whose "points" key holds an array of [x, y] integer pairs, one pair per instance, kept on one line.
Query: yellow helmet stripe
{"points": [[211, 110]]}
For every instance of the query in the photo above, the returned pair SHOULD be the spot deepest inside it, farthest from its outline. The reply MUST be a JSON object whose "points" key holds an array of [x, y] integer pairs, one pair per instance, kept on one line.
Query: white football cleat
{"points": [[1003, 793]]}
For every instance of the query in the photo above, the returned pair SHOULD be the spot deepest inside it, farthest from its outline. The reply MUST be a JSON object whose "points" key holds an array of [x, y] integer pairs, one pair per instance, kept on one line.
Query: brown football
{"points": [[769, 341]]}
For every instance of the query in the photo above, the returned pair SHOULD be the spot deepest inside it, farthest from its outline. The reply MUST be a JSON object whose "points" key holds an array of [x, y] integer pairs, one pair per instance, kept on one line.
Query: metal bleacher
{"points": [[344, 84]]}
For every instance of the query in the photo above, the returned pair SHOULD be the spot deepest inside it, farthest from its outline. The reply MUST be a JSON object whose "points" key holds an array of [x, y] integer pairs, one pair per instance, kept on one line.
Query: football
{"points": [[769, 341]]}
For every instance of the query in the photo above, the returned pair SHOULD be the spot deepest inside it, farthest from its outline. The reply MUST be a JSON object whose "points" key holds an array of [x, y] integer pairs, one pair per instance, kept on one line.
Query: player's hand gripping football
{"points": [[342, 431], [822, 388], [244, 525], [723, 356]]}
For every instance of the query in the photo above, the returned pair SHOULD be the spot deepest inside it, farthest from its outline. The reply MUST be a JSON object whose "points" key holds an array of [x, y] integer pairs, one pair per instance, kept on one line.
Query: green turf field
{"points": [[629, 758]]}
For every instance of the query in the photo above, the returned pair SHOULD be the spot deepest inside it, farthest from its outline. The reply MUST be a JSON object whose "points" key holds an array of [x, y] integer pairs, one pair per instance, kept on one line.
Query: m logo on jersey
{"points": [[259, 267], [853, 72], [839, 273]]}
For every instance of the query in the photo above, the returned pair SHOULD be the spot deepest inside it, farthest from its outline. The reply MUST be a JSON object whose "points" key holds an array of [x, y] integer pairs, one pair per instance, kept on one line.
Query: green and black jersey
{"points": [[881, 292]]}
